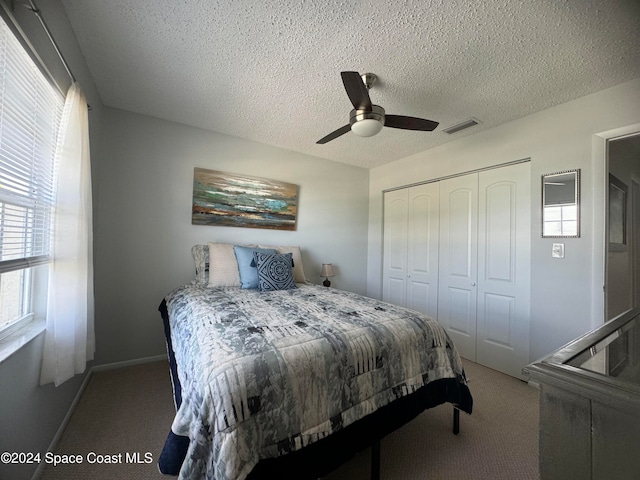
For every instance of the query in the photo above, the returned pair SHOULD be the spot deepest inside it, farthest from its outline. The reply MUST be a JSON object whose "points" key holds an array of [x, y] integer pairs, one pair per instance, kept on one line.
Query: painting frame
{"points": [[617, 214], [236, 200]]}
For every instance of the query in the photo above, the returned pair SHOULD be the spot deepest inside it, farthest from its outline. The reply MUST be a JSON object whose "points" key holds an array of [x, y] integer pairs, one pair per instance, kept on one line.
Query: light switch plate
{"points": [[558, 250]]}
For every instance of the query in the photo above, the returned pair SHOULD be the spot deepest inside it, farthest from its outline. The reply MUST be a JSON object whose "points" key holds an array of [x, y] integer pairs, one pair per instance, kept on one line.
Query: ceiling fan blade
{"points": [[356, 90], [409, 123], [335, 134]]}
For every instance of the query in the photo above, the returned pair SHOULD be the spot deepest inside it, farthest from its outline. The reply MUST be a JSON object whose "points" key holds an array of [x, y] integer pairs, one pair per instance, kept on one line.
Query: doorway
{"points": [[622, 232]]}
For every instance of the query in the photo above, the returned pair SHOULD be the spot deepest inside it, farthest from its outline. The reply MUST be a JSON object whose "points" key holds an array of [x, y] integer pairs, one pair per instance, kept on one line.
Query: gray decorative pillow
{"points": [[298, 271], [200, 255], [274, 271]]}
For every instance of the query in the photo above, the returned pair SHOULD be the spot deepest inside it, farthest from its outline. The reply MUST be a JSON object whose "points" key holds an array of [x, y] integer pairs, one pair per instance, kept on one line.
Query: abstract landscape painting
{"points": [[227, 199]]}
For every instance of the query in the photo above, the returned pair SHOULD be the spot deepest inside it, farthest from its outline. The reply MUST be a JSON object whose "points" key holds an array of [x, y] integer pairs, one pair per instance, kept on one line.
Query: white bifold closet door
{"points": [[504, 268], [458, 280], [410, 264], [484, 269], [458, 250]]}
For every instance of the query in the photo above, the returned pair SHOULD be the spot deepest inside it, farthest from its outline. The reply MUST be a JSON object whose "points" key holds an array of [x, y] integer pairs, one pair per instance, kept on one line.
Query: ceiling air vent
{"points": [[461, 126]]}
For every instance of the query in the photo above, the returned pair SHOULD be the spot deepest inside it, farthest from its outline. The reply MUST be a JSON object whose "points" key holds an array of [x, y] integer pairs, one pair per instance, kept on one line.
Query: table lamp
{"points": [[326, 272]]}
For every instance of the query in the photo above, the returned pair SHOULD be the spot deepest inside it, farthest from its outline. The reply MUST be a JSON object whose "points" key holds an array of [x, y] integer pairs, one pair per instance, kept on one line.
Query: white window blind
{"points": [[30, 112]]}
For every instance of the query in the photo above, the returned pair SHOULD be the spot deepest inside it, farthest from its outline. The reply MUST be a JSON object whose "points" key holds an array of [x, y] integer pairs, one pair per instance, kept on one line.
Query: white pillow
{"points": [[223, 266], [298, 271]]}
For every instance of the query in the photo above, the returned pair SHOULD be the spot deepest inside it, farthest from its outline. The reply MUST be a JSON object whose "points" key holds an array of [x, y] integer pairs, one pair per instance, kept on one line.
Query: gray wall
{"points": [[566, 294], [143, 230], [30, 414]]}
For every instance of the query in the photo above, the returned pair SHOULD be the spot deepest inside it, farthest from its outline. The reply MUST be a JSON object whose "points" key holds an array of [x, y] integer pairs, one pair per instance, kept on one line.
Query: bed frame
{"points": [[320, 458]]}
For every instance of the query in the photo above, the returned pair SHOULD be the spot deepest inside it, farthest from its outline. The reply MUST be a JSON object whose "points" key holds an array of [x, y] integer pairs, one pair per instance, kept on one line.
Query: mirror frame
{"points": [[545, 178]]}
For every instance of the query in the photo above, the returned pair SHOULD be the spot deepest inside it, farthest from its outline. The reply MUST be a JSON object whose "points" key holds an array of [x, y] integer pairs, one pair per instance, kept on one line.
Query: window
{"points": [[30, 113], [561, 220]]}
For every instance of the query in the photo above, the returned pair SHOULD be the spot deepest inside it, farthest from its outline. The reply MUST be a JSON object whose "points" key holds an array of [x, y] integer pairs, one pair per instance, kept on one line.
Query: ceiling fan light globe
{"points": [[367, 127], [367, 122]]}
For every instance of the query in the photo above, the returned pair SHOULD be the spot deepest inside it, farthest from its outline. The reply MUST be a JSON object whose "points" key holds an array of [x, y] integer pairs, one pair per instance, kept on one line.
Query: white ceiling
{"points": [[269, 71]]}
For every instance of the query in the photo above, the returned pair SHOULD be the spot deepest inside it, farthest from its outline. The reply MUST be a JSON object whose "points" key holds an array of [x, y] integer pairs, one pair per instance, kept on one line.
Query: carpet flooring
{"points": [[124, 415]]}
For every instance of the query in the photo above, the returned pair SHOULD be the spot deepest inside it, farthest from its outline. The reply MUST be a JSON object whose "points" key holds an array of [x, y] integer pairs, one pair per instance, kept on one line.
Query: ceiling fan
{"points": [[367, 119]]}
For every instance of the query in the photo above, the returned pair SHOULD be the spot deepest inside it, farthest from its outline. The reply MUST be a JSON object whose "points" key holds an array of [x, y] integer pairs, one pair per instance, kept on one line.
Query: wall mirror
{"points": [[561, 204]]}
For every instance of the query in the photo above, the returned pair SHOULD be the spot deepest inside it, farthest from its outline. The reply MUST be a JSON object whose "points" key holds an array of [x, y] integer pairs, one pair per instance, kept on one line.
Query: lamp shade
{"points": [[327, 270]]}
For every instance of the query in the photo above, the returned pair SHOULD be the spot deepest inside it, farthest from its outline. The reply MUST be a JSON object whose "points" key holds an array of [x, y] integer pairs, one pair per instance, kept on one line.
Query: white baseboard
{"points": [[63, 424], [128, 363], [95, 369]]}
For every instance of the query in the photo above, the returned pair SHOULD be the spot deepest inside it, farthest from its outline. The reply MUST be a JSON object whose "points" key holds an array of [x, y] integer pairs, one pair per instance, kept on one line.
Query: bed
{"points": [[291, 382]]}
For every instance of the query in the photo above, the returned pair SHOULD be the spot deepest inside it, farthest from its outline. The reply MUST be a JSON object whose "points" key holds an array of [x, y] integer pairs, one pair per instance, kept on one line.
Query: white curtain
{"points": [[70, 339]]}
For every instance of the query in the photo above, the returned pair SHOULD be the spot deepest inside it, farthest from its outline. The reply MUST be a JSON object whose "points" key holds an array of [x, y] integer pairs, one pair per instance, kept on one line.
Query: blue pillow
{"points": [[244, 257], [274, 271]]}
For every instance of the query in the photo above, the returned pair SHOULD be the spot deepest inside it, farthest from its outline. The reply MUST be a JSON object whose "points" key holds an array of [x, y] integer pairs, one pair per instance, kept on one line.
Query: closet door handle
{"points": [[473, 284]]}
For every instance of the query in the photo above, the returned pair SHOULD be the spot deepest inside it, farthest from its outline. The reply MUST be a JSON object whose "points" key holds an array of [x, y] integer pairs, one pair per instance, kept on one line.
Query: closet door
{"points": [[458, 261], [422, 249], [504, 268], [410, 265], [394, 276]]}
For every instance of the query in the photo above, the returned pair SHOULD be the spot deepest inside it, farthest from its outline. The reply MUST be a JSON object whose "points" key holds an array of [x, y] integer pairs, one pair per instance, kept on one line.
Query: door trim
{"points": [[635, 238], [461, 174], [600, 169]]}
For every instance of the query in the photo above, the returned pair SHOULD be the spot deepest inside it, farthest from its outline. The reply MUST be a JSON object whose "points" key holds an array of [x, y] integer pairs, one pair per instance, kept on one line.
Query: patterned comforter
{"points": [[266, 373]]}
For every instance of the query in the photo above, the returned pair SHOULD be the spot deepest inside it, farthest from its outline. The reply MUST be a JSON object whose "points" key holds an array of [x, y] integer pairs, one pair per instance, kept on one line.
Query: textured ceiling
{"points": [[269, 71]]}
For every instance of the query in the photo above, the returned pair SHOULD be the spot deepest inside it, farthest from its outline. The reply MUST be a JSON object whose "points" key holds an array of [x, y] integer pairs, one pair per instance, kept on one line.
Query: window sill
{"points": [[19, 338]]}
